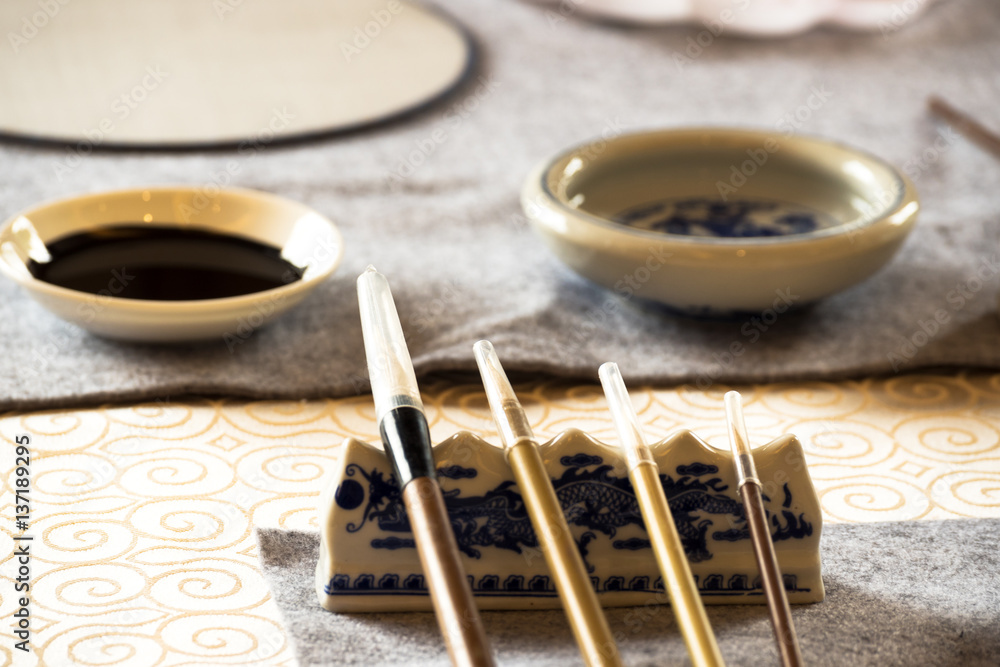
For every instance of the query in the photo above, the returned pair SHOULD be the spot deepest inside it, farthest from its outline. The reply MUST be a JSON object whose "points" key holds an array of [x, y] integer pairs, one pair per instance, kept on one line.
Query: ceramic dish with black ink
{"points": [[718, 222], [170, 264]]}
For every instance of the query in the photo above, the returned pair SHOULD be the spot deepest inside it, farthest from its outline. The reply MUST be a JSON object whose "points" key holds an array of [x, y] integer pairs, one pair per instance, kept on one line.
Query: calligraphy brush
{"points": [[760, 535], [586, 618], [407, 441], [666, 542]]}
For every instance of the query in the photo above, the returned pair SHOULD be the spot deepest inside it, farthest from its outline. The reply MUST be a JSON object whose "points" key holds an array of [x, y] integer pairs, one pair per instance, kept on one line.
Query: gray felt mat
{"points": [[904, 593], [432, 201]]}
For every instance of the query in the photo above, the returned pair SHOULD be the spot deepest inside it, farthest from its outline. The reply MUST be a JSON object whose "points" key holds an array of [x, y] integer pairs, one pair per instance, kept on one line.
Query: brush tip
{"points": [[486, 356], [734, 406]]}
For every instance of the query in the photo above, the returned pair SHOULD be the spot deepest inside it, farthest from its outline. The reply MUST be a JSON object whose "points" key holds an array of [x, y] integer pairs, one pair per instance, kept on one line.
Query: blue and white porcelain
{"points": [[368, 561], [720, 221]]}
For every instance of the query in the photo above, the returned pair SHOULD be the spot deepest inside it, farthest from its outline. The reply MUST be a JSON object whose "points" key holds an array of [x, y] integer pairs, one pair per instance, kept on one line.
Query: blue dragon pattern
{"points": [[591, 495]]}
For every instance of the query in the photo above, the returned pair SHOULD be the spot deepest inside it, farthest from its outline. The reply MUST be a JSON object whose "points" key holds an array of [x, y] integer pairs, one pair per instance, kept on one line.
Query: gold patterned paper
{"points": [[143, 515]]}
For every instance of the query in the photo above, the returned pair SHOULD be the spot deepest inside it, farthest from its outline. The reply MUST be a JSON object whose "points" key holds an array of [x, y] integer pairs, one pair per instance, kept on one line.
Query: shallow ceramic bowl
{"points": [[306, 238], [721, 221]]}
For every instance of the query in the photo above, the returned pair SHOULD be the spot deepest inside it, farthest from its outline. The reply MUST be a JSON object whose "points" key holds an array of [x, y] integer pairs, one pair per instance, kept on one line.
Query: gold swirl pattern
{"points": [[219, 584], [925, 391], [178, 472], [143, 514], [81, 539], [97, 646], [981, 384], [227, 638], [845, 443], [968, 492], [873, 498], [698, 404], [74, 475], [814, 400], [195, 522], [92, 588], [950, 438], [160, 418]]}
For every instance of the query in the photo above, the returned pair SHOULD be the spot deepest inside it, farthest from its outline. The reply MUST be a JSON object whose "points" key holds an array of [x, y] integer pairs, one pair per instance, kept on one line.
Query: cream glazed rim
{"points": [[538, 195], [33, 283], [305, 237]]}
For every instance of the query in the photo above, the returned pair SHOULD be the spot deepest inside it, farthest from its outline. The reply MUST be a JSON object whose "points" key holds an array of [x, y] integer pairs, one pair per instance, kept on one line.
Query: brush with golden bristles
{"points": [[666, 542], [586, 618]]}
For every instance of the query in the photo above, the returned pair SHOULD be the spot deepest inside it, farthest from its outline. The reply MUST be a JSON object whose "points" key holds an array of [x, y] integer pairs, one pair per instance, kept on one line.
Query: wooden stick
{"points": [[454, 605], [760, 534], [972, 129]]}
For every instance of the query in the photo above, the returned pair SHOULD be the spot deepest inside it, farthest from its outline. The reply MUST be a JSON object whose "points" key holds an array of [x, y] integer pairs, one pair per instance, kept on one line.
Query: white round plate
{"points": [[306, 238], [208, 72], [760, 18]]}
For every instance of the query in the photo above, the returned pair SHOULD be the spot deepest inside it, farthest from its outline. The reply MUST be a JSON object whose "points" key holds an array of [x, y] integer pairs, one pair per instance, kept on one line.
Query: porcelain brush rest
{"points": [[368, 560]]}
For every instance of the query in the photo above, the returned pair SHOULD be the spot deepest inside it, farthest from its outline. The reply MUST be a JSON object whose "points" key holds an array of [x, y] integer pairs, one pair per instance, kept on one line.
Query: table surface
{"points": [[143, 515]]}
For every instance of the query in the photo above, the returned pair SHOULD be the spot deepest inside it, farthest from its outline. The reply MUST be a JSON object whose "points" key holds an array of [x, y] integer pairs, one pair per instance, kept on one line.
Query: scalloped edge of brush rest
{"points": [[368, 560]]}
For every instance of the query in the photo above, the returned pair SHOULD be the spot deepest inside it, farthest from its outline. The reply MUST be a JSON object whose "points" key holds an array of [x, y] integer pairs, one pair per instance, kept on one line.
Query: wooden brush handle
{"points": [[451, 594], [967, 125], [770, 576]]}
